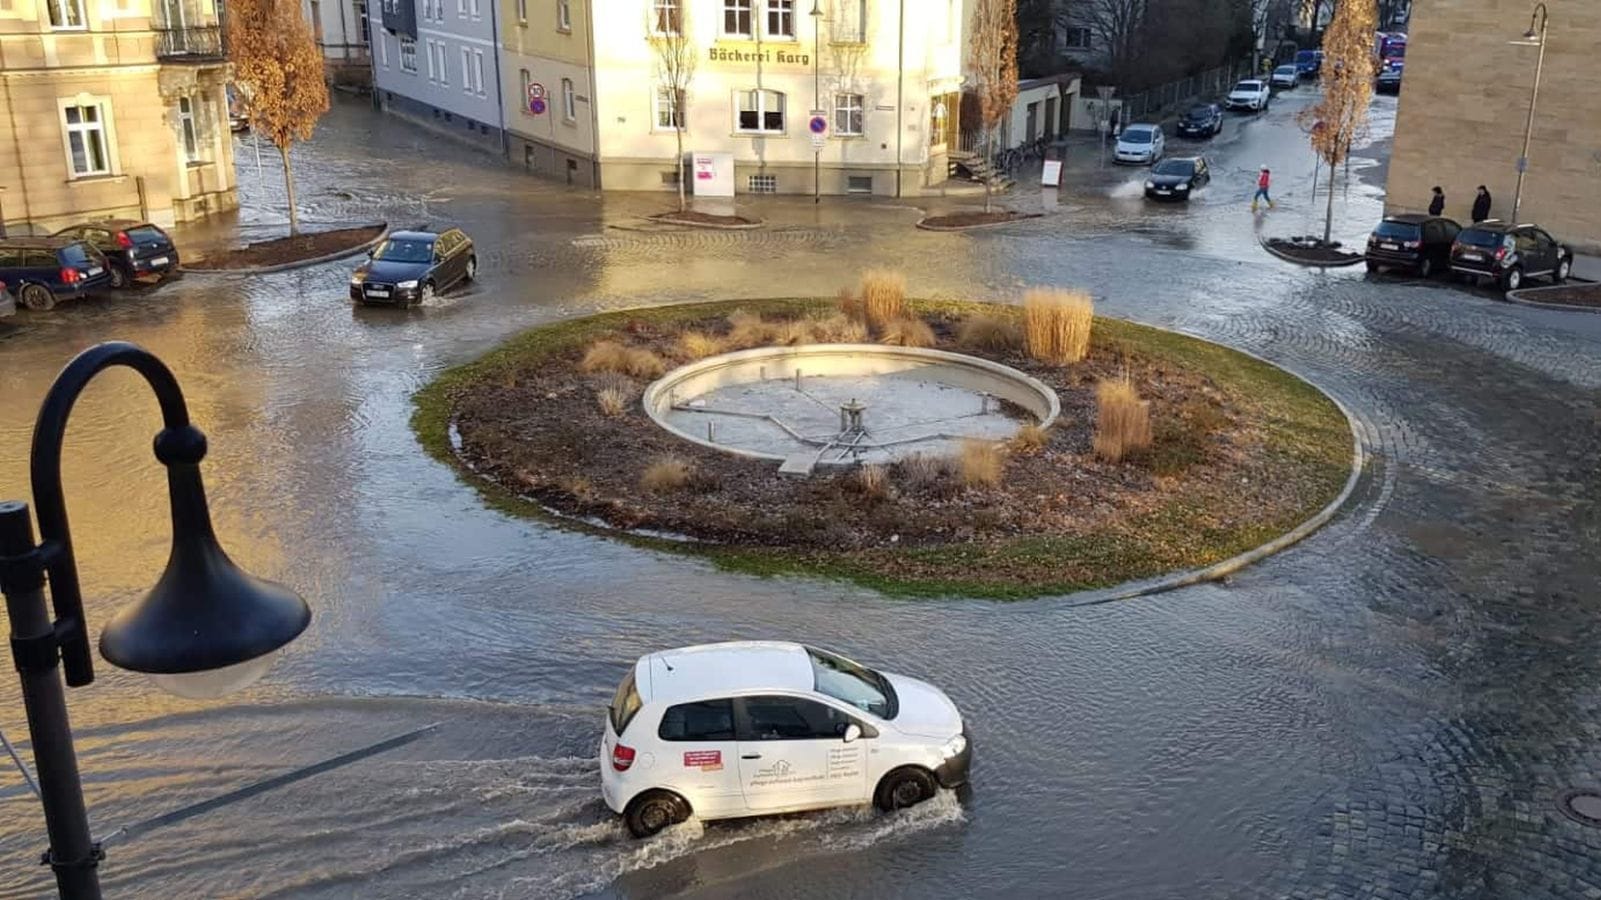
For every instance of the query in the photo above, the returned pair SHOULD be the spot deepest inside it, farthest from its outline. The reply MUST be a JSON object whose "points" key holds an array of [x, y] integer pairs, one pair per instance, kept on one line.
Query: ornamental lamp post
{"points": [[1534, 37], [205, 629]]}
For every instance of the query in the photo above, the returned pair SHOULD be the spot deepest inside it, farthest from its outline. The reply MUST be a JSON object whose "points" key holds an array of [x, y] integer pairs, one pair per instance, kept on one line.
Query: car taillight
{"points": [[123, 240], [622, 757], [69, 276], [1500, 253]]}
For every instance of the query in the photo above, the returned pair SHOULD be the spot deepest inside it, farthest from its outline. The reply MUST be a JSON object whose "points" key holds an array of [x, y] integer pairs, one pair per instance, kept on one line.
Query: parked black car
{"points": [[1202, 121], [1509, 254], [42, 270], [136, 249], [412, 266], [1416, 242], [1177, 178]]}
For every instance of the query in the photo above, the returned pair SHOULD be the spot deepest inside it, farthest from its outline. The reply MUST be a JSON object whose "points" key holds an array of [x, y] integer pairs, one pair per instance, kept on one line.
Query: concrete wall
{"points": [[452, 26], [1463, 106]]}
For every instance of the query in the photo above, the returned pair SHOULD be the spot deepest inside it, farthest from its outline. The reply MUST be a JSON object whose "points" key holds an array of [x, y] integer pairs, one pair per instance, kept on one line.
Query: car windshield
{"points": [[1285, 70], [1400, 230], [1199, 113], [1479, 237], [1136, 136], [1306, 56], [74, 255], [853, 683], [1175, 167], [405, 250], [1249, 87], [146, 233]]}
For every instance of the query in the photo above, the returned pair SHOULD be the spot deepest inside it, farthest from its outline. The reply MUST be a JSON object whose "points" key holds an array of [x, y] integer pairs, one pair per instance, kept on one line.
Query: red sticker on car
{"points": [[705, 760]]}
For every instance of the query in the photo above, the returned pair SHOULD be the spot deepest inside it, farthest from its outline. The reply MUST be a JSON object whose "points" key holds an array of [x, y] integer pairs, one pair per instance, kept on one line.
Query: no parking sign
{"points": [[536, 98]]}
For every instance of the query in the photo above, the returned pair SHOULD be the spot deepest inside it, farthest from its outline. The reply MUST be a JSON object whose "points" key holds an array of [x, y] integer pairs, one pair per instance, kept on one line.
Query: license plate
{"points": [[377, 292], [96, 270], [1476, 257], [1390, 246], [160, 261], [1163, 191]]}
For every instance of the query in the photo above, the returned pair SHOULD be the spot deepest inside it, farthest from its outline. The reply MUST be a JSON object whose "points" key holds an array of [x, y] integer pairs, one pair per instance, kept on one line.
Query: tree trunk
{"points": [[1328, 218], [989, 153], [289, 186], [682, 204]]}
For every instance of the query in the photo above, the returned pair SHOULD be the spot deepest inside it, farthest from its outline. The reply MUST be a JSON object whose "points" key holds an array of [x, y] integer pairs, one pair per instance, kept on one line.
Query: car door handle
{"points": [[751, 756]]}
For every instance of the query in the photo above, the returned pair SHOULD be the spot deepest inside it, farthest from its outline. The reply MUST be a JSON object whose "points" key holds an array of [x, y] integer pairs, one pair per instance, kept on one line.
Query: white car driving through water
{"points": [[749, 728]]}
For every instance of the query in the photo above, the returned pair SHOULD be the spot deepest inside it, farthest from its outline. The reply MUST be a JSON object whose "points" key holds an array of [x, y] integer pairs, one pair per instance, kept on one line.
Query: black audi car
{"points": [[413, 266], [1177, 178], [1202, 121], [136, 250], [1417, 242]]}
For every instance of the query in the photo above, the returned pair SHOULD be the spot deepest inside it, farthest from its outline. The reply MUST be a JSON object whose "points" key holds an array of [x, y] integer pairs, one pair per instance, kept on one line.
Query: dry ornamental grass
{"points": [[987, 332], [613, 401], [908, 333], [693, 345], [1122, 420], [872, 481], [883, 297], [667, 473], [1030, 438], [605, 356], [981, 464], [1056, 325]]}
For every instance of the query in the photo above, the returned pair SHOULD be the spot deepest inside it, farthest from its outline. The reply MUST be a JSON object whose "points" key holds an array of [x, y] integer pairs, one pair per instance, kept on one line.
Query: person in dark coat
{"points": [[1481, 205], [1437, 205]]}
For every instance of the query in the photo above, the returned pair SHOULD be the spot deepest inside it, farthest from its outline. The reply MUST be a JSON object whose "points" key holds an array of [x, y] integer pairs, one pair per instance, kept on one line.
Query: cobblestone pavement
{"points": [[1390, 709]]}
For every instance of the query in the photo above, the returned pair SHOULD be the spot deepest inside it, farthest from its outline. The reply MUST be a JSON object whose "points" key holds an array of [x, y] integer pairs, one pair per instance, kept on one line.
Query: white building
{"points": [[885, 74], [343, 31]]}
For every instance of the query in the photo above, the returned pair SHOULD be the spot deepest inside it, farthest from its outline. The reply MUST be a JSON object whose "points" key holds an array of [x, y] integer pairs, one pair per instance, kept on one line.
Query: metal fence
{"points": [[1153, 102]]}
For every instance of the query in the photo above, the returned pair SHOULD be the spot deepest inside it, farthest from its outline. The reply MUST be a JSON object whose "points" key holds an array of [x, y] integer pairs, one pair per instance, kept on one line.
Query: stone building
{"points": [[437, 62], [344, 32], [112, 108], [1465, 101]]}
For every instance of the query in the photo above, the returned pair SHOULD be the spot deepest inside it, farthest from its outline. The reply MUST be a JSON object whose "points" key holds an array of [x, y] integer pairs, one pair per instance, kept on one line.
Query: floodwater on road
{"points": [[1379, 707]]}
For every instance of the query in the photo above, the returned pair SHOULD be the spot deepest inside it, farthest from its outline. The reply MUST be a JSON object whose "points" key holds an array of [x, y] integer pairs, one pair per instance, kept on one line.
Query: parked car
{"points": [[1249, 94], [8, 306], [1139, 145], [1309, 63], [1389, 80], [1286, 77], [43, 270], [413, 266], [136, 250], [1509, 254], [1417, 242], [749, 728], [1201, 121], [1177, 178]]}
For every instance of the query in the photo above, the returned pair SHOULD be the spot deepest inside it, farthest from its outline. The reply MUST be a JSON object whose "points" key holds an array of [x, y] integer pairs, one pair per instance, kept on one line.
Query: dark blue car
{"points": [[1309, 63], [412, 267], [38, 271]]}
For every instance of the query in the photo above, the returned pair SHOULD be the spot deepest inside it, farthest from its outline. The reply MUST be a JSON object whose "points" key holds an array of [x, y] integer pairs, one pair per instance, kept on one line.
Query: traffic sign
{"points": [[537, 106], [536, 91], [819, 143], [818, 124]]}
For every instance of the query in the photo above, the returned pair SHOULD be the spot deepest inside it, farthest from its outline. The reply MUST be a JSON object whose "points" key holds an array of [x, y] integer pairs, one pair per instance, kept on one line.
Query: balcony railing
{"points": [[200, 43]]}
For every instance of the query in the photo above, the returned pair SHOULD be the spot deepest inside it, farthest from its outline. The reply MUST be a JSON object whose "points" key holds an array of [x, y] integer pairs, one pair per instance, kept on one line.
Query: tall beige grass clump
{"points": [[850, 305], [1122, 419], [1056, 325], [981, 463], [667, 473], [693, 345], [642, 363], [613, 401], [838, 328], [989, 332], [1030, 438], [605, 356], [907, 333], [748, 329], [883, 297], [872, 481]]}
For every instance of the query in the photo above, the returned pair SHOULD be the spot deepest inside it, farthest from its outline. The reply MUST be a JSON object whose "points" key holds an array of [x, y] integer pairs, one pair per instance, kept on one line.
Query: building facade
{"points": [[112, 108], [437, 62], [344, 32], [547, 77], [1465, 101]]}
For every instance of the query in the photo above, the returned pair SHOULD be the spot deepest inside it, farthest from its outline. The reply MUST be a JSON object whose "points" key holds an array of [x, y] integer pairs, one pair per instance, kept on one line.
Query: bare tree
{"points": [[667, 30], [1340, 118], [993, 59], [1119, 25], [1039, 23]]}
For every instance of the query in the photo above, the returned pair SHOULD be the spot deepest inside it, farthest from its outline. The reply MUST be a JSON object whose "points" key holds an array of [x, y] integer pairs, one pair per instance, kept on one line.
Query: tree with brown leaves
{"points": [[279, 69], [1340, 118], [993, 59], [667, 29]]}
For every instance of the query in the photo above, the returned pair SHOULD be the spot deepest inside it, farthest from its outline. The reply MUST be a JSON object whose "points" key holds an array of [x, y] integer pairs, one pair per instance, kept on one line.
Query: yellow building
{"points": [[1465, 101], [584, 101], [112, 108]]}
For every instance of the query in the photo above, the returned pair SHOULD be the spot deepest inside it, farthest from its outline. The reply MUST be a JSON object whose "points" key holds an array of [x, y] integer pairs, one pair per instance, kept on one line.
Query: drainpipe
{"points": [[500, 92], [900, 95], [594, 100], [16, 142]]}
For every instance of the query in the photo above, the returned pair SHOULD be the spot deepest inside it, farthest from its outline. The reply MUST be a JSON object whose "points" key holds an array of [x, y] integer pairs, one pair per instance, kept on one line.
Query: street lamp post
{"points": [[206, 628], [817, 96], [1535, 36]]}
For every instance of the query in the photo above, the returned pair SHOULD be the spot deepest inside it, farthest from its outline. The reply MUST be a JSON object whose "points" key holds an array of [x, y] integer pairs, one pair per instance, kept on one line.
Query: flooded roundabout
{"points": [[1397, 702]]}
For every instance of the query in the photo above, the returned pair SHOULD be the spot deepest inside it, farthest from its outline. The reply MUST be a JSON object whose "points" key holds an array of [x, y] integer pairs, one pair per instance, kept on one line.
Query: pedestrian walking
{"points": [[1481, 205], [1263, 182], [1437, 205]]}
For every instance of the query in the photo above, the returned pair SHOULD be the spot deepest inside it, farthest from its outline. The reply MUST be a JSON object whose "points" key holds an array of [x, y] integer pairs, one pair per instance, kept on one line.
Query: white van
{"points": [[750, 728]]}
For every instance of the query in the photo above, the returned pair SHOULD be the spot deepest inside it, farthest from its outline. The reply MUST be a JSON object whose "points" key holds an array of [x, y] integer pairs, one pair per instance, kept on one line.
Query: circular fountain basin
{"points": [[845, 404]]}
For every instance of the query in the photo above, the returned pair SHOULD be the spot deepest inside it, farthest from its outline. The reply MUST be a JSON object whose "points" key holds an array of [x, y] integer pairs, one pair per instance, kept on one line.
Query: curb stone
{"points": [[1016, 217], [668, 219], [1309, 263], [300, 264], [1522, 297]]}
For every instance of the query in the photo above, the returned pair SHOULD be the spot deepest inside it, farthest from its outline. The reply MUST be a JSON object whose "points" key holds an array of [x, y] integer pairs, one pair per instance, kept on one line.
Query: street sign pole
{"points": [[817, 124]]}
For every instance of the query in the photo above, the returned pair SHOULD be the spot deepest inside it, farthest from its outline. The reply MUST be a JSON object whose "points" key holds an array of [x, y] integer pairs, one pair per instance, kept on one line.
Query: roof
{"points": [[1492, 225], [415, 235], [38, 243], [688, 673], [1059, 78], [1409, 218]]}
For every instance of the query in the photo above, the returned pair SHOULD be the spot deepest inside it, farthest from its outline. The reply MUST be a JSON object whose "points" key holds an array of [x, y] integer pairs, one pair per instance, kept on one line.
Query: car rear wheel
{"points": [[1372, 266], [1426, 268], [1564, 269], [654, 811], [904, 787], [36, 297], [1513, 279]]}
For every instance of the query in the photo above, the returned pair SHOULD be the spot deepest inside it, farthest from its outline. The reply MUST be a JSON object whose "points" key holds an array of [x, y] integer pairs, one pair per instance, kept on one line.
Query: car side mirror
{"points": [[853, 733]]}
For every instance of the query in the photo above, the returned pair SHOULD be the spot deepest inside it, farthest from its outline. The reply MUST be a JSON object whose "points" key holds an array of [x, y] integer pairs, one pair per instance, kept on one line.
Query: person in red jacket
{"points": [[1263, 182]]}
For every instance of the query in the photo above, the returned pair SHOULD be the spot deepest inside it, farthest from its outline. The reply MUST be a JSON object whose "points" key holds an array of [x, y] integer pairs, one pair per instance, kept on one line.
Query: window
{"points": [[667, 112], [847, 113], [437, 53], [86, 140], [668, 16], [761, 111], [1076, 38], [478, 72], [853, 683], [383, 51], [524, 80], [564, 15], [859, 184], [569, 101], [522, 11], [466, 70], [186, 120], [363, 25], [850, 21], [792, 719], [624, 704], [461, 7], [66, 14], [710, 720], [472, 8], [762, 184], [433, 72], [408, 54], [780, 18], [736, 18]]}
